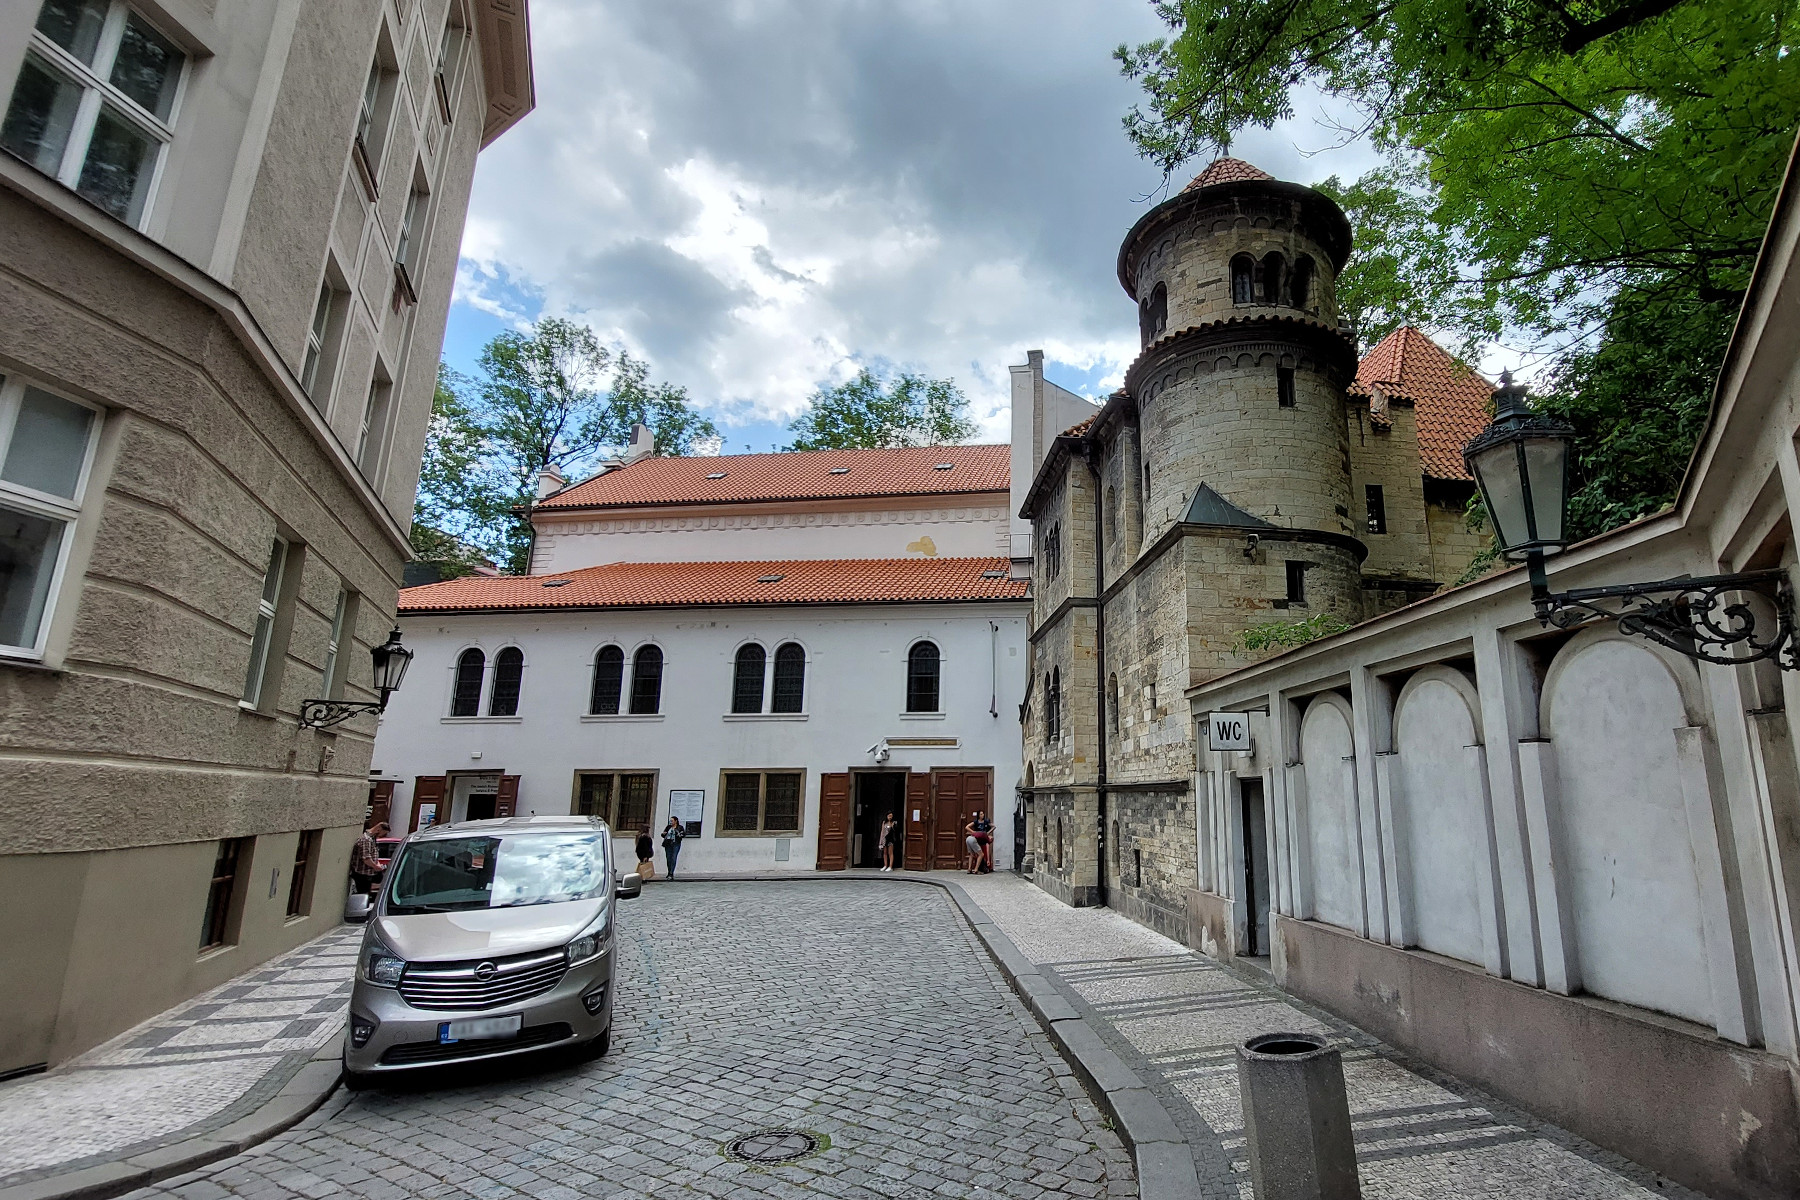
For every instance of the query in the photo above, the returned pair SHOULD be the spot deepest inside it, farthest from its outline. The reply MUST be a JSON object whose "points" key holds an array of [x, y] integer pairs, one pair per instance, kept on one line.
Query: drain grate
{"points": [[769, 1146]]}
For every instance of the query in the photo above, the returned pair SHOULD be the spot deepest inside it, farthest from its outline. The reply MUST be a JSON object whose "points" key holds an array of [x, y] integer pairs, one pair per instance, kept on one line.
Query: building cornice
{"points": [[159, 260], [1267, 333], [676, 509], [503, 30], [1023, 602]]}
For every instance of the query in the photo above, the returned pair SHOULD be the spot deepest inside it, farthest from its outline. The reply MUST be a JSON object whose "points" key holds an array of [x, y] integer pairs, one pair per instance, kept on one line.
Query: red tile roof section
{"points": [[700, 584], [793, 476], [1450, 400], [1225, 170]]}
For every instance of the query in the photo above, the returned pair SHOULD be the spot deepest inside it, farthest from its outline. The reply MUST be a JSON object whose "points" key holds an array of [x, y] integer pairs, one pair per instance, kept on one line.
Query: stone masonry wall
{"points": [[1228, 593], [1388, 457], [1193, 260], [1150, 857], [1065, 649], [1147, 662], [1453, 544], [1063, 832]]}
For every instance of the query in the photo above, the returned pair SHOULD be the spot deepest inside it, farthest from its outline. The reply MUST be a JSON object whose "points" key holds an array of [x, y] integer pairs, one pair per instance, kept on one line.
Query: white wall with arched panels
{"points": [[1335, 862]]}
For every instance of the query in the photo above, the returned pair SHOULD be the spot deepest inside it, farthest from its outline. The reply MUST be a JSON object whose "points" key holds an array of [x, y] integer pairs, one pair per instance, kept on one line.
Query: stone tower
{"points": [[1240, 389]]}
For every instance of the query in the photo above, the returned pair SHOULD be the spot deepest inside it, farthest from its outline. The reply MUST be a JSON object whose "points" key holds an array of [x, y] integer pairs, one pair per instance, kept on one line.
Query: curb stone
{"points": [[1164, 1161], [310, 1087]]}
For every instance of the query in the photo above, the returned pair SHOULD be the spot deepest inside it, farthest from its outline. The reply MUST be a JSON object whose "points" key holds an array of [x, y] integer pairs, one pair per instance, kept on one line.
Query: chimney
{"points": [[643, 445], [550, 480]]}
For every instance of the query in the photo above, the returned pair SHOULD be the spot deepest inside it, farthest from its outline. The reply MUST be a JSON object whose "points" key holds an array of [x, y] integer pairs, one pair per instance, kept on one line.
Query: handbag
{"points": [[646, 870]]}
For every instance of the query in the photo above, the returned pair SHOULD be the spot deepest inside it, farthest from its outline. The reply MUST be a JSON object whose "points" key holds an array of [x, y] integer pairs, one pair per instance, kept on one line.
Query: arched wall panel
{"points": [[1443, 829], [1335, 856]]}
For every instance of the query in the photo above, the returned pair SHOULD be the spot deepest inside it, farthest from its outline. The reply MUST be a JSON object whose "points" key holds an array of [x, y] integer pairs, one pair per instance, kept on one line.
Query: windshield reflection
{"points": [[459, 874]]}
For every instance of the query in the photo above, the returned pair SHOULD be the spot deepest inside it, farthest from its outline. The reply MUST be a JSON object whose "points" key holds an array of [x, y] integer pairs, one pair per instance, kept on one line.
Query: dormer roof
{"points": [[1450, 399]]}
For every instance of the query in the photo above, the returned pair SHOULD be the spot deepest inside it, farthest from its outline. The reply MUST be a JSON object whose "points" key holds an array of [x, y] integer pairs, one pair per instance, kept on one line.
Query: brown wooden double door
{"points": [[938, 805], [435, 790]]}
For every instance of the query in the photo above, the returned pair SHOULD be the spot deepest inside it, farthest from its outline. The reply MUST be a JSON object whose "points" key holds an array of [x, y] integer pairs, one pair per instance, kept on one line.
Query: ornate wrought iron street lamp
{"points": [[1521, 464], [391, 661]]}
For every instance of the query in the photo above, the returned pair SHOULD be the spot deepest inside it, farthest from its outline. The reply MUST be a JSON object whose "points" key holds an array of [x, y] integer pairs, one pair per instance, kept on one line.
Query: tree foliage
{"points": [[539, 402], [869, 412]]}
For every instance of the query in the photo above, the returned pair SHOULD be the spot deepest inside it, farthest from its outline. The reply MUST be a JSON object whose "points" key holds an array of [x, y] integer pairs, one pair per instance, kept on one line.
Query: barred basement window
{"points": [[747, 679], [509, 674], [609, 677], [790, 679], [760, 802], [623, 799]]}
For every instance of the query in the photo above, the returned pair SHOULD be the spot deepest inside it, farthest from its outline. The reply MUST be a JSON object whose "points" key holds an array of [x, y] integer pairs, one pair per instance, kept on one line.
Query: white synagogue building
{"points": [[778, 648]]}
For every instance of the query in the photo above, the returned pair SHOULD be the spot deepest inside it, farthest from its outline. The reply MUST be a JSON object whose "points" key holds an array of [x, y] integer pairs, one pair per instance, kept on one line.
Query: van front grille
{"points": [[459, 986]]}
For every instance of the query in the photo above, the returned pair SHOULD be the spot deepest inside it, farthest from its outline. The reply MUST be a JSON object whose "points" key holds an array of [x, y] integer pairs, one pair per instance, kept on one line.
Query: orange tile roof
{"points": [[1225, 170], [706, 584], [743, 478], [1450, 400]]}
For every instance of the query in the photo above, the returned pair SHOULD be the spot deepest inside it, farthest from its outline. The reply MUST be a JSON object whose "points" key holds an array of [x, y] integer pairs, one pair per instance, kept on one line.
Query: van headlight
{"points": [[590, 944], [381, 966]]}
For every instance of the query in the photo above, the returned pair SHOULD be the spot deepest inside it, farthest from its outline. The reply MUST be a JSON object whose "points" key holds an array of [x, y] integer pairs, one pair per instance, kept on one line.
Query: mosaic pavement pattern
{"points": [[863, 1013], [1177, 1017], [196, 1067]]}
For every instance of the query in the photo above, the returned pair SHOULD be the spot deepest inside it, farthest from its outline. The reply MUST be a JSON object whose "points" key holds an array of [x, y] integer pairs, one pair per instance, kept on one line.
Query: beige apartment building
{"points": [[228, 237]]}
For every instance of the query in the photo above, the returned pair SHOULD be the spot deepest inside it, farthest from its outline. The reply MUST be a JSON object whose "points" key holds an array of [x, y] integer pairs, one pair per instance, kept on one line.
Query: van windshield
{"points": [[458, 874]]}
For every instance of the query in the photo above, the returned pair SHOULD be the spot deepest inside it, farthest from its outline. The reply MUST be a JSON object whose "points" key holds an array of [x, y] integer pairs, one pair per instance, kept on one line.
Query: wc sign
{"points": [[1230, 731]]}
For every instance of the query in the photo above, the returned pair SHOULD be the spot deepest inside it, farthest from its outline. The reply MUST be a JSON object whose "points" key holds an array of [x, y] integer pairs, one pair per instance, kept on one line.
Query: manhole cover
{"points": [[772, 1146]]}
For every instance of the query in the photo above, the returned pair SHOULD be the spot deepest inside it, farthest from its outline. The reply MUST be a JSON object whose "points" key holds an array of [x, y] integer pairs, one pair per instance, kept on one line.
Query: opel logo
{"points": [[486, 971]]}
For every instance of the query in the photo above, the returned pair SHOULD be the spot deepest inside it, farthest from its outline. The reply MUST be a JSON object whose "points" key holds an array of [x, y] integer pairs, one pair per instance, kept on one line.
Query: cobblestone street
{"points": [[864, 1013]]}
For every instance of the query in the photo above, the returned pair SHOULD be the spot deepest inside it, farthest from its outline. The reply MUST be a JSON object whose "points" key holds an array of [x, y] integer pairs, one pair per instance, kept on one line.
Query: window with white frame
{"points": [[374, 426], [343, 625], [406, 250], [449, 57], [266, 605], [46, 451], [320, 339], [94, 105]]}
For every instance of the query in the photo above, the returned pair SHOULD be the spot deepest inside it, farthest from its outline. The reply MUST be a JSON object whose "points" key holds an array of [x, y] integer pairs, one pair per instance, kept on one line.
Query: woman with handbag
{"points": [[672, 834]]}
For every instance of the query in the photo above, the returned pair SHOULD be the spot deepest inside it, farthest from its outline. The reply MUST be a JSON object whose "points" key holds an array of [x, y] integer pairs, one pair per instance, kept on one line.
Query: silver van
{"points": [[489, 938]]}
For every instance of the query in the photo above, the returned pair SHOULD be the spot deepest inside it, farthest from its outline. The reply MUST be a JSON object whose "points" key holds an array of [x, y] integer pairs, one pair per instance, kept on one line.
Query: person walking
{"points": [[890, 837], [672, 834], [365, 859], [646, 852]]}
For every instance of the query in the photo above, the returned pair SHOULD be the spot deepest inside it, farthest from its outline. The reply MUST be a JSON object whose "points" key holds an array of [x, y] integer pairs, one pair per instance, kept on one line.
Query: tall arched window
{"points": [[747, 679], [469, 668], [509, 673], [1112, 703], [646, 681], [1153, 316], [1272, 265], [1243, 280], [790, 679], [1055, 702], [922, 678], [1300, 287], [609, 678]]}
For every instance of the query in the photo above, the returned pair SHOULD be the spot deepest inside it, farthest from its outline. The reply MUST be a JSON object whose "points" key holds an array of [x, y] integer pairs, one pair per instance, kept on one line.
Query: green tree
{"points": [[461, 508], [553, 397], [869, 412]]}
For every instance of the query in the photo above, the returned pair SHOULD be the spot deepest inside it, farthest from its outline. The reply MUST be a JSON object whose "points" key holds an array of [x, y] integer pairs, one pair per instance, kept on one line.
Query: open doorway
{"points": [[1256, 869], [474, 797], [878, 793]]}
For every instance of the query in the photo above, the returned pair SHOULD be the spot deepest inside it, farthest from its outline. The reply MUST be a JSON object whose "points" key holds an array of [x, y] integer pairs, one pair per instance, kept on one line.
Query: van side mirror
{"points": [[628, 887], [357, 908]]}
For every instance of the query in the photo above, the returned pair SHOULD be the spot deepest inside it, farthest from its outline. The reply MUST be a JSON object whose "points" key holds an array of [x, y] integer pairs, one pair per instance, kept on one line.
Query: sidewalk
{"points": [[1176, 1017], [192, 1072]]}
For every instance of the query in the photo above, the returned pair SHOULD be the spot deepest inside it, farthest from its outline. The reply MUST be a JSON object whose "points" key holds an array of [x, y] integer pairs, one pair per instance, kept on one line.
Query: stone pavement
{"points": [[1176, 1018], [863, 1012], [194, 1069]]}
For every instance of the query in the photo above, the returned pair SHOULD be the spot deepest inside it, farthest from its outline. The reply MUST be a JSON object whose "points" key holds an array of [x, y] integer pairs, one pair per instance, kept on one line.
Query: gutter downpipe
{"points": [[1099, 668]]}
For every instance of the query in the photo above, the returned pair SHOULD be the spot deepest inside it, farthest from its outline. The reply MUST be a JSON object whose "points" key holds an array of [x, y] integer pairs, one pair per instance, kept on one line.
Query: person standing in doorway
{"points": [[984, 840], [672, 834], [646, 852], [890, 837], [365, 859], [971, 845]]}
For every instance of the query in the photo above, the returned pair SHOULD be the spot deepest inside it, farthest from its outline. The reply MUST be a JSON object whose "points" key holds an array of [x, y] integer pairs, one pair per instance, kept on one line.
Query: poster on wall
{"points": [[688, 807], [427, 815]]}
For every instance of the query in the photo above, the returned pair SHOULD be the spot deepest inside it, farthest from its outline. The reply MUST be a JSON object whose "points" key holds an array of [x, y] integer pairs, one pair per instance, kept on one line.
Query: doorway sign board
{"points": [[1229, 731]]}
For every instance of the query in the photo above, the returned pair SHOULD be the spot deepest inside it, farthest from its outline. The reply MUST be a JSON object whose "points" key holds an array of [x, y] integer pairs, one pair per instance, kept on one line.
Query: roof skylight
{"points": [[943, 466], [717, 475], [558, 582], [840, 470], [993, 574], [770, 578]]}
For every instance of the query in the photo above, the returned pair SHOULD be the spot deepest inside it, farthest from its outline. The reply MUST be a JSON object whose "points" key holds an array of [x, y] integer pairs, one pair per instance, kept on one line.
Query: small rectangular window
{"points": [[1377, 506], [765, 802], [219, 925], [94, 103], [265, 624], [306, 868], [406, 248], [1296, 582], [1284, 386]]}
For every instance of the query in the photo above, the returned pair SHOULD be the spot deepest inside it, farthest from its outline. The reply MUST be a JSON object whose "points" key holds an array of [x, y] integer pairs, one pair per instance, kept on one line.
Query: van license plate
{"points": [[480, 1029]]}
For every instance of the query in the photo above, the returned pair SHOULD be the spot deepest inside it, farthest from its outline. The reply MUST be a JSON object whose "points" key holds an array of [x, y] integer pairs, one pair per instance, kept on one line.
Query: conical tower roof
{"points": [[1225, 170]]}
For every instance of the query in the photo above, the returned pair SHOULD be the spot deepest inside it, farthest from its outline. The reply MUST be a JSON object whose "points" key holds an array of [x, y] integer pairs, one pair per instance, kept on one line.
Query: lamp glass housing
{"points": [[391, 660], [1521, 464]]}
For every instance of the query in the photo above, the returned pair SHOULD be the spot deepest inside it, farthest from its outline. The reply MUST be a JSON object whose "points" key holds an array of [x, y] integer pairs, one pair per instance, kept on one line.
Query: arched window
{"points": [[747, 679], [1055, 702], [509, 673], [1243, 280], [609, 677], [646, 681], [467, 700], [1300, 287], [922, 678], [1272, 265], [1112, 513], [790, 679], [1153, 315]]}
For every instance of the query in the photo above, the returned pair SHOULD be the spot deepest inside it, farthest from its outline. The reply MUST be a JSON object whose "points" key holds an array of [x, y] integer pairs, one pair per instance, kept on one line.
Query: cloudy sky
{"points": [[762, 195]]}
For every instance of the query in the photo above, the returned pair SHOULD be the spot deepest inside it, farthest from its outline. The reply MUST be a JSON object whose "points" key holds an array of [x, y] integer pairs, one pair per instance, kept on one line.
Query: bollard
{"points": [[1296, 1119]]}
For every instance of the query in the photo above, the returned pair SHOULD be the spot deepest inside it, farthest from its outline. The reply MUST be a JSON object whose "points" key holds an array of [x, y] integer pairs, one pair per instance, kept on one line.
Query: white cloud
{"points": [[760, 195]]}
